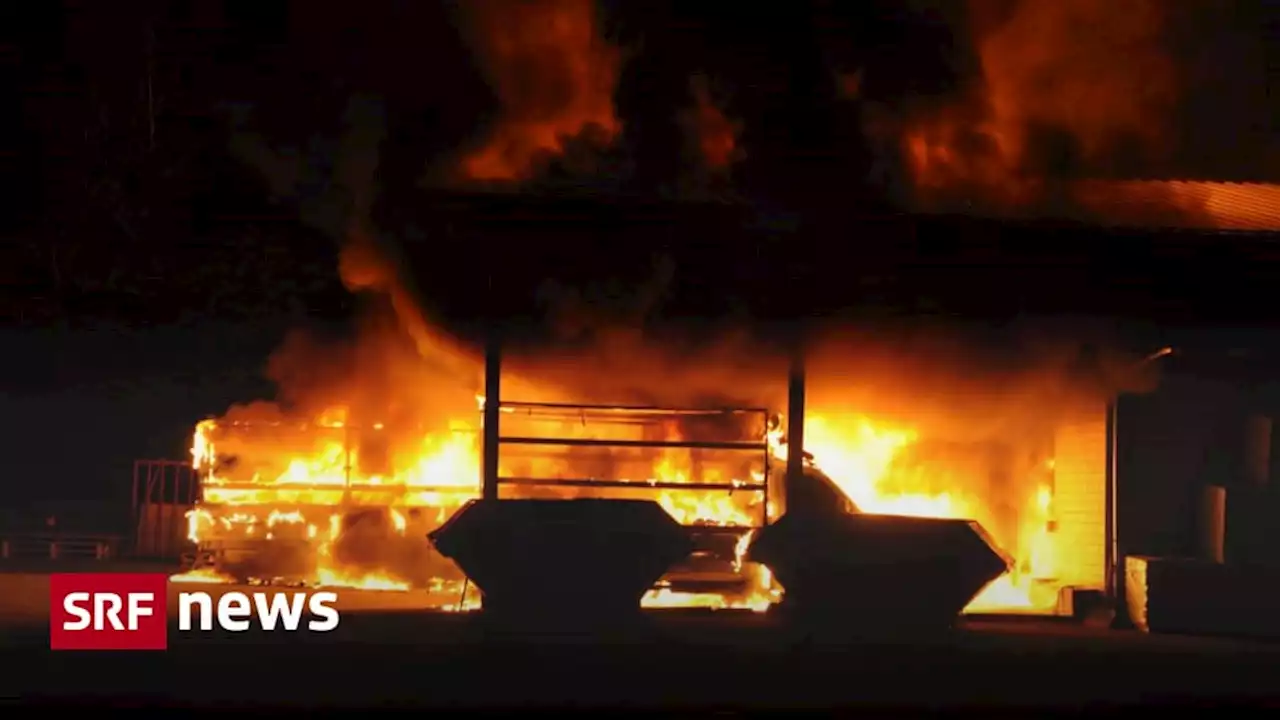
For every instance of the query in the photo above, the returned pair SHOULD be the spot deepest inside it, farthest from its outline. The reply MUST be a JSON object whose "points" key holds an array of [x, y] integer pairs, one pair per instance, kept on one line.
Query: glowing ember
{"points": [[326, 504], [326, 577], [297, 489], [203, 575], [874, 466]]}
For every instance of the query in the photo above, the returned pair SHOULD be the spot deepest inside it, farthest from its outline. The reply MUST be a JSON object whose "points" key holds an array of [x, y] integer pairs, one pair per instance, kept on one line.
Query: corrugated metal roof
{"points": [[1184, 203]]}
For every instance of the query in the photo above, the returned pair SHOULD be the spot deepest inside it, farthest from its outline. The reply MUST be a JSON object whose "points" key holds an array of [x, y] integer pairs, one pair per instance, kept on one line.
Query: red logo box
{"points": [[108, 611]]}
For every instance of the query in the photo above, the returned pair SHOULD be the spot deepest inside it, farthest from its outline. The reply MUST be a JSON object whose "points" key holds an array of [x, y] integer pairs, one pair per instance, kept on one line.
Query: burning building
{"points": [[341, 486], [332, 504]]}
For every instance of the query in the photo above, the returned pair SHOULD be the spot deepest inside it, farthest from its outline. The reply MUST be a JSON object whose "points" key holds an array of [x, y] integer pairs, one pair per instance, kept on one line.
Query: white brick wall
{"points": [[1080, 486]]}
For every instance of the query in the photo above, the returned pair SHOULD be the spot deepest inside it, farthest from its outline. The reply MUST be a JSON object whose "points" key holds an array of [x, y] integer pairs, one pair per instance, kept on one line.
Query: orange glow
{"points": [[876, 467], [554, 76], [375, 443], [1069, 90], [1201, 205], [1078, 67], [712, 135], [296, 482]]}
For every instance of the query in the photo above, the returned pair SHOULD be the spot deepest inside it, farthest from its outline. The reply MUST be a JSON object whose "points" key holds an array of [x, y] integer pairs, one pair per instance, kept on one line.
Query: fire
{"points": [[758, 595], [712, 136], [329, 577], [554, 76], [1071, 92], [873, 465], [296, 486], [1096, 77], [203, 575]]}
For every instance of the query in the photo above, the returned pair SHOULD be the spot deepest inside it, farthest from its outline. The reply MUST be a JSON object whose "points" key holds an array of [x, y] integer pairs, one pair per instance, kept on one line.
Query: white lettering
{"points": [[107, 606], [71, 604], [138, 610], [271, 609], [186, 601], [233, 608], [274, 611], [319, 606], [106, 610]]}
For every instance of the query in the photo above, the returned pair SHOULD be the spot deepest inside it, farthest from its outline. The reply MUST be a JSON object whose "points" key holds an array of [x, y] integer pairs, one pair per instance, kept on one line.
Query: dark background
{"points": [[147, 269]]}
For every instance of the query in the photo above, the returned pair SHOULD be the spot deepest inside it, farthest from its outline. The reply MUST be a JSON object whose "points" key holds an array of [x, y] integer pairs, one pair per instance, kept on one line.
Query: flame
{"points": [[294, 484], [1070, 91], [872, 465], [712, 135], [759, 594], [319, 477], [330, 577], [203, 575], [554, 76]]}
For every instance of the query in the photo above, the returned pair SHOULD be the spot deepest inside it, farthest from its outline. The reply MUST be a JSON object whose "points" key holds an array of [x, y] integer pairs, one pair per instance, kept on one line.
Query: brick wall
{"points": [[1080, 487]]}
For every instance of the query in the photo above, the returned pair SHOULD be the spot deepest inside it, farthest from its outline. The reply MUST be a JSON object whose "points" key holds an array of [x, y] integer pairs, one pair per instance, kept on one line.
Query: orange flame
{"points": [[713, 136], [871, 462], [555, 78], [1070, 90]]}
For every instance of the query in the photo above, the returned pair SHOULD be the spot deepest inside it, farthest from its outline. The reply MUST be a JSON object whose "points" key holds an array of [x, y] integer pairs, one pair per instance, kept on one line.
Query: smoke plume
{"points": [[1066, 99], [554, 76], [711, 139]]}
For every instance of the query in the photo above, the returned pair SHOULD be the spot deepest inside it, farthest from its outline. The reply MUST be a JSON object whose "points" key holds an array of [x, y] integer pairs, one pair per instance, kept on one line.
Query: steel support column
{"points": [[492, 408], [795, 427]]}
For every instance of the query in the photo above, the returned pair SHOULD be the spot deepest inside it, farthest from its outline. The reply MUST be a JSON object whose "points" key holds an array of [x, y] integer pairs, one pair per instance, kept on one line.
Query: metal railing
{"points": [[638, 415], [163, 490], [58, 547]]}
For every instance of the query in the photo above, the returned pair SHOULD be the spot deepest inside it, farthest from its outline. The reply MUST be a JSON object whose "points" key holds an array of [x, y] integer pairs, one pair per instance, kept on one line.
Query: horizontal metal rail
{"points": [[637, 409], [299, 426], [585, 442], [636, 484], [55, 547], [355, 486]]}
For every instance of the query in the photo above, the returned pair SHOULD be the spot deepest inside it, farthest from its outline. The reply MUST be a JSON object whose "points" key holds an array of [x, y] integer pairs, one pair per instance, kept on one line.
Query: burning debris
{"points": [[325, 504], [376, 442], [328, 501]]}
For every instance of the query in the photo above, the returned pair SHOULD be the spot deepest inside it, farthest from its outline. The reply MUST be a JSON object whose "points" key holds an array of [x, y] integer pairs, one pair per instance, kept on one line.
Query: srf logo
{"points": [[108, 611]]}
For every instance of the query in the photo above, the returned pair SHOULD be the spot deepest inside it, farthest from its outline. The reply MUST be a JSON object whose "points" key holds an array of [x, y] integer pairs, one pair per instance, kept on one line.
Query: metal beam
{"points": [[592, 442], [634, 484], [795, 426], [637, 409], [492, 408]]}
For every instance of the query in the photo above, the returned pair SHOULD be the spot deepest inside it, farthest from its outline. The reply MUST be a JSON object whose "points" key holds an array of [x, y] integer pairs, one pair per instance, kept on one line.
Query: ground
{"points": [[387, 654]]}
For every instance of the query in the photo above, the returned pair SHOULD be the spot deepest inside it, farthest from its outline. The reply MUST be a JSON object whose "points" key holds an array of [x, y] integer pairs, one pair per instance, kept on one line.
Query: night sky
{"points": [[180, 176]]}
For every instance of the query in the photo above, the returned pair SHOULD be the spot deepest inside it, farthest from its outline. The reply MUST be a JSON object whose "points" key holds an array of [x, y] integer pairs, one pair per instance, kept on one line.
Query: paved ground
{"points": [[403, 658], [393, 653]]}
